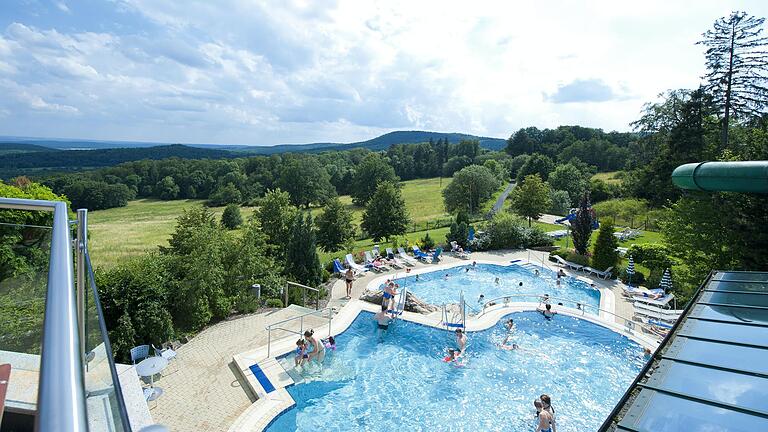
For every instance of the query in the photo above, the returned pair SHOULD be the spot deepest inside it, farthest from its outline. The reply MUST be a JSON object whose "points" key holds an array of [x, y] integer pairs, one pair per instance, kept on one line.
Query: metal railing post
{"points": [[80, 247], [301, 325], [269, 342]]}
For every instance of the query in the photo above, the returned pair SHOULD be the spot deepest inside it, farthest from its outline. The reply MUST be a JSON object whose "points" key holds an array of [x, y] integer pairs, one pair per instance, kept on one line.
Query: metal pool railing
{"points": [[280, 325], [628, 323]]}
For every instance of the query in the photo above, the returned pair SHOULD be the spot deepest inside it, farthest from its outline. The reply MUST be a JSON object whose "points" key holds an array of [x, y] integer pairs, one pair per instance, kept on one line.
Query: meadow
{"points": [[142, 225]]}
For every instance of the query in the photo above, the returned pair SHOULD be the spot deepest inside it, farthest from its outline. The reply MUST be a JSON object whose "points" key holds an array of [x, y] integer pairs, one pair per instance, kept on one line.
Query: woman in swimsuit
{"points": [[547, 407], [318, 350], [349, 277]]}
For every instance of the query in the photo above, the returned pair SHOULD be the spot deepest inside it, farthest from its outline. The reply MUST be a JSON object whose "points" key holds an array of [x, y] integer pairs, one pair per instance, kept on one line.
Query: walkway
{"points": [[500, 201]]}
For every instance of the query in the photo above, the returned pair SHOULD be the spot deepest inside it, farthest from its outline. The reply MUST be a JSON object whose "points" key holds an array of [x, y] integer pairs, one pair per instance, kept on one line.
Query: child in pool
{"points": [[329, 343], [453, 357], [301, 353]]}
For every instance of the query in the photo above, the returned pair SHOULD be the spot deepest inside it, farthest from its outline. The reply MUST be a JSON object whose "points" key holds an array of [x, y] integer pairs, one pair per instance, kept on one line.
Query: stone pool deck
{"points": [[204, 388]]}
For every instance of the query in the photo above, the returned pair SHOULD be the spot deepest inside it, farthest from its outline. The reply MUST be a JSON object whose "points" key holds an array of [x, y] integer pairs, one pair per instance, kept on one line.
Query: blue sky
{"points": [[294, 71]]}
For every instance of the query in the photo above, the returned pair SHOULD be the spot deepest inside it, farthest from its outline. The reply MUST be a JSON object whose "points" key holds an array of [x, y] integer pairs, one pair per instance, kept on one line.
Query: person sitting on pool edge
{"points": [[547, 311], [383, 318], [317, 351], [301, 353]]}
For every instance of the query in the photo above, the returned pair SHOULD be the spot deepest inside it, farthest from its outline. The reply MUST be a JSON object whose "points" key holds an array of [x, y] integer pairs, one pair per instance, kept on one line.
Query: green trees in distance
{"points": [[385, 215], [301, 262], [581, 227], [605, 254], [530, 198], [231, 218], [737, 68], [167, 188], [225, 195], [536, 164], [371, 172], [305, 181], [469, 188], [571, 179], [334, 226], [275, 216], [560, 202]]}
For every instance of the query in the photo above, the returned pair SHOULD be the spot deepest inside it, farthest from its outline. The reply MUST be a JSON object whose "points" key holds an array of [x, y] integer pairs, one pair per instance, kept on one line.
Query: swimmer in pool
{"points": [[547, 311], [497, 281], [510, 326], [383, 319], [461, 341]]}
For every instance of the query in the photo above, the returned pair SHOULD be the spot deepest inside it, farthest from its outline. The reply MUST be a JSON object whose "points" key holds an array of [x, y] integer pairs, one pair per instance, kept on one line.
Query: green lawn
{"points": [[608, 177], [144, 224]]}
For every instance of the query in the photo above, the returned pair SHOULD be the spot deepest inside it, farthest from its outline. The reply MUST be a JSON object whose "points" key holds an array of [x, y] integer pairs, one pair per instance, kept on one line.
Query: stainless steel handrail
{"points": [[273, 326], [61, 390]]}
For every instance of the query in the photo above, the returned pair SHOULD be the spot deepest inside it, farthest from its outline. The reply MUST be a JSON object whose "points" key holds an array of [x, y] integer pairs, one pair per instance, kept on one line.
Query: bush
{"points": [[507, 231], [578, 259], [274, 303], [605, 254], [326, 275], [231, 218], [427, 243], [536, 237]]}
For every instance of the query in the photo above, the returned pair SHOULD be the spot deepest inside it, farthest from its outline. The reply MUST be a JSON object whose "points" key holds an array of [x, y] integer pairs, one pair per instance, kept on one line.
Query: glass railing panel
{"points": [[106, 406], [24, 261]]}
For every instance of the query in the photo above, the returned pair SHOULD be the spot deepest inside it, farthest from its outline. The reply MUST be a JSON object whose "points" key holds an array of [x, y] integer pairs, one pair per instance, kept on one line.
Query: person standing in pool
{"points": [[349, 276], [388, 297], [317, 349], [544, 418], [547, 311], [547, 407], [510, 326], [461, 341], [383, 319]]}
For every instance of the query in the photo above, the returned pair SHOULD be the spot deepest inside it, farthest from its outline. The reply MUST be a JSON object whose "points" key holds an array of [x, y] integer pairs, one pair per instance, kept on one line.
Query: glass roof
{"points": [[711, 374]]}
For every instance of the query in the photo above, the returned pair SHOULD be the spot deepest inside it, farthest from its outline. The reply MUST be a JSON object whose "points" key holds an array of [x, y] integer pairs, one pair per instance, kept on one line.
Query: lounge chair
{"points": [[420, 255], [355, 266], [661, 302], [404, 256], [458, 251], [372, 264], [166, 353], [601, 274], [436, 255], [654, 312], [568, 264], [396, 262], [338, 267]]}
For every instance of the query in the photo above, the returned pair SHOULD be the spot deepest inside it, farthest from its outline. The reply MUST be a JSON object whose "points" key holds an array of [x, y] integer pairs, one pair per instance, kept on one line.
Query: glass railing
{"points": [[63, 373]]}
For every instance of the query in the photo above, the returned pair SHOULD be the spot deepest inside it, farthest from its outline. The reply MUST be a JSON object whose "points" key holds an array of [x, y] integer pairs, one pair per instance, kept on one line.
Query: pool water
{"points": [[435, 288], [398, 381]]}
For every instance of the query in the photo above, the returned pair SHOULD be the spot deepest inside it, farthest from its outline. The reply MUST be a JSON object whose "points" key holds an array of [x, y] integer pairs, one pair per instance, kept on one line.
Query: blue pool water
{"points": [[436, 289], [398, 381]]}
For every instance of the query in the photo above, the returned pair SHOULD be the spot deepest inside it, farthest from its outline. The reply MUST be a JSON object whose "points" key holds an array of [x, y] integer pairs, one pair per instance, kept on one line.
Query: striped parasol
{"points": [[666, 281], [631, 266]]}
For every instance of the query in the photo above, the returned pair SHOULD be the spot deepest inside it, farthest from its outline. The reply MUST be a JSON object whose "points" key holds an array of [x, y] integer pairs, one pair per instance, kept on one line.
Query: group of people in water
{"points": [[310, 348]]}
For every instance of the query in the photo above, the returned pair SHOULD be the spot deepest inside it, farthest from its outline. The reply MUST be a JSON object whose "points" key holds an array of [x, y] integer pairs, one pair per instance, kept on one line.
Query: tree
{"points": [[517, 163], [569, 178], [301, 261], [305, 181], [531, 198], [459, 231], [231, 218], [427, 243], [581, 227], [560, 202], [385, 215], [334, 226], [454, 164], [371, 172], [536, 164], [275, 215], [605, 253], [469, 188], [225, 195], [737, 63], [167, 189]]}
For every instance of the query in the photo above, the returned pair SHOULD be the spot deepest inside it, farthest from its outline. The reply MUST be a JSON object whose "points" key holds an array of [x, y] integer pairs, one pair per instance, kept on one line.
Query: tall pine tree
{"points": [[737, 64], [302, 263], [581, 227]]}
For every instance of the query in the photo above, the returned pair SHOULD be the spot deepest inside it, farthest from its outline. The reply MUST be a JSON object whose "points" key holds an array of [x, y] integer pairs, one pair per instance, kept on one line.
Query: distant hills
{"points": [[36, 155]]}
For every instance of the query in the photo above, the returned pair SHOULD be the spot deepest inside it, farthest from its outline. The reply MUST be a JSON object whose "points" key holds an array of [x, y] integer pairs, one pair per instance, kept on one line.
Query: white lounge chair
{"points": [[568, 264], [404, 256], [601, 274], [355, 266], [667, 315], [458, 251], [397, 263], [661, 302], [371, 263]]}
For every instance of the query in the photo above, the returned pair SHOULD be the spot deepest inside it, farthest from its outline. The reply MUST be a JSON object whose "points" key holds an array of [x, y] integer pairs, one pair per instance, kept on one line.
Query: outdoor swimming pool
{"points": [[399, 381], [434, 288]]}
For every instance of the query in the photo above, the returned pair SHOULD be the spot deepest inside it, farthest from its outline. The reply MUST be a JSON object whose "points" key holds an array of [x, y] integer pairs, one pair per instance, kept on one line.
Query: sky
{"points": [[298, 71]]}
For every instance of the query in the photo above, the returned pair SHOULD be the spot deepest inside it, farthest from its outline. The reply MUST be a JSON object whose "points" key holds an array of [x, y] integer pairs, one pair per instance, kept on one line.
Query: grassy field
{"points": [[141, 225], [608, 177], [144, 224]]}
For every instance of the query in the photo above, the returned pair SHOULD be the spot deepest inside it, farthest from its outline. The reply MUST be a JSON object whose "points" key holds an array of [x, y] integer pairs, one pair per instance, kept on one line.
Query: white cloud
{"points": [[245, 71]]}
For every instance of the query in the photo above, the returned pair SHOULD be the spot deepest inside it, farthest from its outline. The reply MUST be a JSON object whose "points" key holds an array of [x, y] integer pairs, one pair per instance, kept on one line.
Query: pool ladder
{"points": [[458, 318]]}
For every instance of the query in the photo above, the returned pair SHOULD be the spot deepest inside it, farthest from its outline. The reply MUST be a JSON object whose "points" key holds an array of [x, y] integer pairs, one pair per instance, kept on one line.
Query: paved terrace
{"points": [[204, 390]]}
